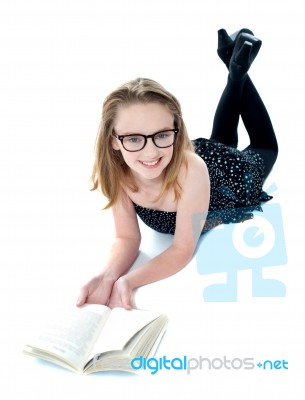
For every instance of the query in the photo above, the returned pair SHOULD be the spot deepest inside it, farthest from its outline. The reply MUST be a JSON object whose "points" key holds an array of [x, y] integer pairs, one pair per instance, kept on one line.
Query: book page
{"points": [[121, 326], [72, 335]]}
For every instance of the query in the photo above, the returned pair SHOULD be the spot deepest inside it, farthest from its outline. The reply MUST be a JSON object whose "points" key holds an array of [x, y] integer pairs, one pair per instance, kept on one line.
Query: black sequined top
{"points": [[236, 179]]}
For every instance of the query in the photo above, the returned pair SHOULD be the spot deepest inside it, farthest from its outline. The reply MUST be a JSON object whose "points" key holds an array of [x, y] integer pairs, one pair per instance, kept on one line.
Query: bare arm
{"points": [[122, 254], [127, 239], [195, 199]]}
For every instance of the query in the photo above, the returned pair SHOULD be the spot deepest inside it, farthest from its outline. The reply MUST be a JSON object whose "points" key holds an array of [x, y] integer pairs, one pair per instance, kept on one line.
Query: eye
{"points": [[163, 135], [133, 139]]}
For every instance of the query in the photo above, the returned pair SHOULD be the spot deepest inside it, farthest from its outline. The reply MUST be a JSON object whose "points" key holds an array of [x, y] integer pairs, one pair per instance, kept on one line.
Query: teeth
{"points": [[149, 164]]}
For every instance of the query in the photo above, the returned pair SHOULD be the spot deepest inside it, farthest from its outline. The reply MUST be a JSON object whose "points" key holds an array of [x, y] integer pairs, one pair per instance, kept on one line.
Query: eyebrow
{"points": [[143, 134]]}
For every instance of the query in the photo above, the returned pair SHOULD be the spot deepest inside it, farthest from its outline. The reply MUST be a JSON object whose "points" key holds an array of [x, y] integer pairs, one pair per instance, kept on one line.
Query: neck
{"points": [[153, 185]]}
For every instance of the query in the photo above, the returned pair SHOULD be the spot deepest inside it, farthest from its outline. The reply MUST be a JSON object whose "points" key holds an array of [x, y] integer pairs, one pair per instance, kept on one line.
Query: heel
{"points": [[234, 35], [226, 44], [246, 49]]}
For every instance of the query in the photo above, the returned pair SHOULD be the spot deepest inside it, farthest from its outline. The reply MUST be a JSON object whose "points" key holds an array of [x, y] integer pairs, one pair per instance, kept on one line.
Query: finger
{"points": [[111, 302], [126, 301], [82, 297]]}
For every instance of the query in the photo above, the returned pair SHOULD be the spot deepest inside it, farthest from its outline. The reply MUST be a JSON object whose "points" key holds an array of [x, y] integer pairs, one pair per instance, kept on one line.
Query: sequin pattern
{"points": [[236, 179]]}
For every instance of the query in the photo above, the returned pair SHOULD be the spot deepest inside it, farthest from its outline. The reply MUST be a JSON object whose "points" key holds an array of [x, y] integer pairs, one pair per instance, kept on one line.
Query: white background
{"points": [[58, 60]]}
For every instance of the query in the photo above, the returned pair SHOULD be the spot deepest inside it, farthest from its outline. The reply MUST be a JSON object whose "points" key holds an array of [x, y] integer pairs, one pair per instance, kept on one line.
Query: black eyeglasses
{"points": [[137, 142]]}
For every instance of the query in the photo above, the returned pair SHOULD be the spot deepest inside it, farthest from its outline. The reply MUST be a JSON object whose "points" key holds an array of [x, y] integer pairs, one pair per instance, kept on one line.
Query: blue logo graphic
{"points": [[251, 245]]}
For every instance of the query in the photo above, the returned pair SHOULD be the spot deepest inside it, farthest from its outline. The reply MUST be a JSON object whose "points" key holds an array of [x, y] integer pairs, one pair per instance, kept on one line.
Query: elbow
{"points": [[188, 256], [131, 242], [135, 242], [184, 254]]}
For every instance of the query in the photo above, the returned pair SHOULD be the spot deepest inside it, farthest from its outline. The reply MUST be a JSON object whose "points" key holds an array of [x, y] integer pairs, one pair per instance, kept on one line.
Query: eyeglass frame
{"points": [[152, 136]]}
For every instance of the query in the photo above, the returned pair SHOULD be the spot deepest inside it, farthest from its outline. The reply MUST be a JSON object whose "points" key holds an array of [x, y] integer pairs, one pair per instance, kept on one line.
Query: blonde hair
{"points": [[109, 170]]}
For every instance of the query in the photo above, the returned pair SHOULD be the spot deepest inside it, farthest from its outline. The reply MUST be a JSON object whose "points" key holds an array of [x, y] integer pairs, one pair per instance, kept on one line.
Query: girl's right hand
{"points": [[96, 291]]}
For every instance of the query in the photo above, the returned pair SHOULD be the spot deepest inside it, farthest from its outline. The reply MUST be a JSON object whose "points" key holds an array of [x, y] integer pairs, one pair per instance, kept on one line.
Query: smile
{"points": [[151, 163]]}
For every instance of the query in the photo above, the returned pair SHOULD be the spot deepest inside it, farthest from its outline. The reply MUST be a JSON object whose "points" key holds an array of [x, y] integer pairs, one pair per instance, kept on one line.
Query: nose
{"points": [[150, 150]]}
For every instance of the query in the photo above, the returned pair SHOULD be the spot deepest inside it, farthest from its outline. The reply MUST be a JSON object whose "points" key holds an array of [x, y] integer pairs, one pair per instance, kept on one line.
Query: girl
{"points": [[146, 165]]}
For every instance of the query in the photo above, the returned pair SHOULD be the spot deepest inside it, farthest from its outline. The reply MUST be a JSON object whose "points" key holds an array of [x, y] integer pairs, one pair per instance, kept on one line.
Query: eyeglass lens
{"points": [[137, 142]]}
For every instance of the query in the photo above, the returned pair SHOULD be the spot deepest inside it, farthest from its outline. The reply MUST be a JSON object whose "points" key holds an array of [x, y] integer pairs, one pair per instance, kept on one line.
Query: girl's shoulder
{"points": [[194, 166]]}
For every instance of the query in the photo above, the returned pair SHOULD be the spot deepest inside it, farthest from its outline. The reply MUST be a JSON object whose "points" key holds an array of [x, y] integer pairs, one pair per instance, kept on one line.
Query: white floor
{"points": [[59, 60]]}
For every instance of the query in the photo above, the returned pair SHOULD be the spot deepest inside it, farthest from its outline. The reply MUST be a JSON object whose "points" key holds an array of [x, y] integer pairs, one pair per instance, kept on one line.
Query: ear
{"points": [[115, 143]]}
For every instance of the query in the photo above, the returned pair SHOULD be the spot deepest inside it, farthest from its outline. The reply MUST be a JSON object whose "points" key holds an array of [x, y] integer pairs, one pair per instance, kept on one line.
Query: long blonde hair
{"points": [[109, 170]]}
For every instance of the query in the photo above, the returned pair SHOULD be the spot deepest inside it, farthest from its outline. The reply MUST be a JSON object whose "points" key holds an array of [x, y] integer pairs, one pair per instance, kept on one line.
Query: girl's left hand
{"points": [[121, 295]]}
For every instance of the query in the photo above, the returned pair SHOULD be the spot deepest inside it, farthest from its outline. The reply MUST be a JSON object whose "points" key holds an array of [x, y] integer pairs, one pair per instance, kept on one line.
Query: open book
{"points": [[95, 338]]}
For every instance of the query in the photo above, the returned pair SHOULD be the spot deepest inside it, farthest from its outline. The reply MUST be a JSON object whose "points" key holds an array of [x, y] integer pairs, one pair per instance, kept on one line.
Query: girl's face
{"points": [[146, 119]]}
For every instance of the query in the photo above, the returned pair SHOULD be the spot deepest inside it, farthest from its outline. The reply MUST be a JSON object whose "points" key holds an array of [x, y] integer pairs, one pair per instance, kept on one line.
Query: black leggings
{"points": [[240, 98]]}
